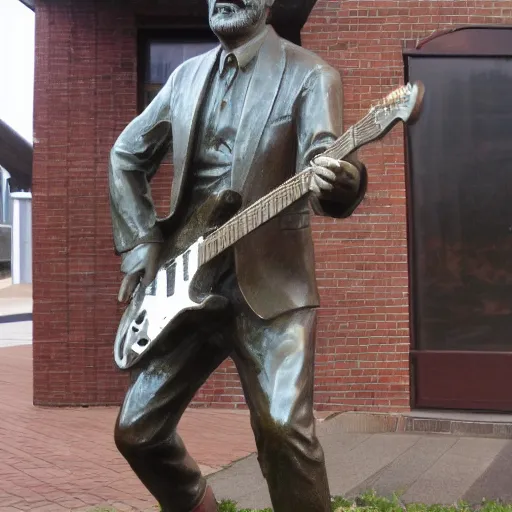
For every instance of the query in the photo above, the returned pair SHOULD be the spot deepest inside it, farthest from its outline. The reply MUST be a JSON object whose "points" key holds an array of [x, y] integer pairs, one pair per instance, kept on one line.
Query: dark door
{"points": [[460, 229]]}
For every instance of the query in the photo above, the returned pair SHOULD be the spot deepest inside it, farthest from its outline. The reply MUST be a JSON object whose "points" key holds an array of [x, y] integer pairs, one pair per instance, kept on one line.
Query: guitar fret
{"points": [[224, 241], [265, 214], [273, 206], [250, 226], [296, 191], [246, 226], [240, 228], [232, 236]]}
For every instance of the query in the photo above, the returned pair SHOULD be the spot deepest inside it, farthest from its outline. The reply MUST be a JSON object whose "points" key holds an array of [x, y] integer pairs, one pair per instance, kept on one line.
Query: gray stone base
{"points": [[432, 422]]}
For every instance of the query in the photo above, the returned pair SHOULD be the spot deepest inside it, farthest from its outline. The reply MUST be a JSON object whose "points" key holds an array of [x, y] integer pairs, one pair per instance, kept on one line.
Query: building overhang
{"points": [[29, 3], [288, 16]]}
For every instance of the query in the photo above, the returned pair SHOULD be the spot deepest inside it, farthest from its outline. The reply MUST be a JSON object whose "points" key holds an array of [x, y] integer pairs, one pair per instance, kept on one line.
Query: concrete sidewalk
{"points": [[432, 469]]}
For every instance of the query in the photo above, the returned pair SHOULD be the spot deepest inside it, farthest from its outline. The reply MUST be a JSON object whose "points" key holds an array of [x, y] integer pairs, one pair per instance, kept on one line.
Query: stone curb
{"points": [[375, 423]]}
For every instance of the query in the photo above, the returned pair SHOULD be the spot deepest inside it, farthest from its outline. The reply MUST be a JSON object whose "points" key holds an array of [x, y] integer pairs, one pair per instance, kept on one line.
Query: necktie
{"points": [[230, 71]]}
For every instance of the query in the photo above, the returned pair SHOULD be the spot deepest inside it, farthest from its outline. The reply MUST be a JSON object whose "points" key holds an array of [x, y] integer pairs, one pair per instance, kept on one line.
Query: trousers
{"points": [[275, 362]]}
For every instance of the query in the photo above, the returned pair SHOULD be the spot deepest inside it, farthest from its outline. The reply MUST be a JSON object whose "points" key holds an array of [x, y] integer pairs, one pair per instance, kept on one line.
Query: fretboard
{"points": [[290, 191], [258, 213]]}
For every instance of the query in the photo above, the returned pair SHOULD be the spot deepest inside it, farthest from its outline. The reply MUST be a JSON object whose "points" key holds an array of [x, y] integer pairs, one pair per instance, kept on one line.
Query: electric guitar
{"points": [[183, 284]]}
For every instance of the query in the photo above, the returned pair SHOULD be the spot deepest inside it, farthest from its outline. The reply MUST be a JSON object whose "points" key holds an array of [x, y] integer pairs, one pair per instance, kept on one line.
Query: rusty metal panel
{"points": [[480, 381], [460, 228]]}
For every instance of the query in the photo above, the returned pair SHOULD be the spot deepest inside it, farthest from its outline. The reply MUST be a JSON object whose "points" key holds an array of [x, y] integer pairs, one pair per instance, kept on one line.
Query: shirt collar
{"points": [[244, 54]]}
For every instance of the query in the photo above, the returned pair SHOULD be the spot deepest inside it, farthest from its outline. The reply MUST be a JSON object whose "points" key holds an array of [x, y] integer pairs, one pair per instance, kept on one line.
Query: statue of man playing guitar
{"points": [[243, 118]]}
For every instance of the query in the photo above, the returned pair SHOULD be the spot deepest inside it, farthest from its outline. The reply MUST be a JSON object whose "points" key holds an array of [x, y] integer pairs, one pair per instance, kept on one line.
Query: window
{"points": [[162, 53]]}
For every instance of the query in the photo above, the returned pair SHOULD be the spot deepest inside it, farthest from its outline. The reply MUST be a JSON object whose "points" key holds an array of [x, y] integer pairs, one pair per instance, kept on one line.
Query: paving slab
{"points": [[242, 483], [453, 474], [406, 469], [496, 482], [347, 469]]}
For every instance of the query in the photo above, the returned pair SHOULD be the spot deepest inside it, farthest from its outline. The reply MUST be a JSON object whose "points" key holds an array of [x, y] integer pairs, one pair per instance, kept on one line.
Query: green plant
{"points": [[231, 506], [371, 502]]}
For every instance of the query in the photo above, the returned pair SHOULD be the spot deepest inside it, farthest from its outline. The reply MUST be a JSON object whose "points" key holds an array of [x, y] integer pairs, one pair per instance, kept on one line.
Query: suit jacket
{"points": [[292, 112]]}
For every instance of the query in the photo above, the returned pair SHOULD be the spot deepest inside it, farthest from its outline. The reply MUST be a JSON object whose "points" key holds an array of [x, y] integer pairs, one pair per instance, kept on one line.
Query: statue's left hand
{"points": [[140, 265], [331, 173]]}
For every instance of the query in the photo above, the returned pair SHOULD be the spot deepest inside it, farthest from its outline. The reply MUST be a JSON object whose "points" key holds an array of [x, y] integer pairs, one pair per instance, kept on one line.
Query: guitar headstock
{"points": [[403, 104]]}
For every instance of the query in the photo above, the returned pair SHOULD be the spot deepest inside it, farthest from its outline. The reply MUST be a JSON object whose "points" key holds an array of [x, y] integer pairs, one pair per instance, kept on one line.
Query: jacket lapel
{"points": [[260, 99], [194, 89]]}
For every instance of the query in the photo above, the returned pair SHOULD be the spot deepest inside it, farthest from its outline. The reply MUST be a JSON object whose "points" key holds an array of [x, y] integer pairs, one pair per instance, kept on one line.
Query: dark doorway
{"points": [[460, 221]]}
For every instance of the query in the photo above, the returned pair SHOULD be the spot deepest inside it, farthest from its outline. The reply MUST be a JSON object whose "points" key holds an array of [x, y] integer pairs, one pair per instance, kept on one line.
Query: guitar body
{"points": [[181, 291]]}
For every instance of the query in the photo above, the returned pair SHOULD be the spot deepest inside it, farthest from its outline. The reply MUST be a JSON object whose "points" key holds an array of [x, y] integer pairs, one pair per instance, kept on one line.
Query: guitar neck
{"points": [[361, 133], [258, 213], [289, 192]]}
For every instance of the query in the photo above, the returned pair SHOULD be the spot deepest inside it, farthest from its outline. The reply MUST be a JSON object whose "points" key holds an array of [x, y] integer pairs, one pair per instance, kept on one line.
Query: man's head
{"points": [[238, 19]]}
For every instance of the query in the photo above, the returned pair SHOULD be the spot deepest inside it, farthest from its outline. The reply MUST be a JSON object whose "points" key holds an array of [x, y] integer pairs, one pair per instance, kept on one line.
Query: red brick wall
{"points": [[363, 338], [85, 75], [85, 93]]}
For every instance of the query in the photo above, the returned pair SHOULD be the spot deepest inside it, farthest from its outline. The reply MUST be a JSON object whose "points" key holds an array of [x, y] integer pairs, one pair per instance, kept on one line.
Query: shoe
{"points": [[208, 503]]}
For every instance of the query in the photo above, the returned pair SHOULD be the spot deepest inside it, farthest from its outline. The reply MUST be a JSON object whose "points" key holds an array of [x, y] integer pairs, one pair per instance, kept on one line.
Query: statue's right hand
{"points": [[140, 265]]}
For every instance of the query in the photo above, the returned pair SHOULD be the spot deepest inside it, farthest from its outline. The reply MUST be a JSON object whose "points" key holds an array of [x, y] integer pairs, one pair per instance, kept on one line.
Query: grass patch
{"points": [[371, 502]]}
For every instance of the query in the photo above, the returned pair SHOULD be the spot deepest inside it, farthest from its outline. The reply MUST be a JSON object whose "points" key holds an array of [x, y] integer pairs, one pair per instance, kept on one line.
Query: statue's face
{"points": [[234, 18]]}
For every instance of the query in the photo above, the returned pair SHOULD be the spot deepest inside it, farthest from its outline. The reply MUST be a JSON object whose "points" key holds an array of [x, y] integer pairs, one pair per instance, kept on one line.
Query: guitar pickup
{"points": [[171, 276], [186, 259]]}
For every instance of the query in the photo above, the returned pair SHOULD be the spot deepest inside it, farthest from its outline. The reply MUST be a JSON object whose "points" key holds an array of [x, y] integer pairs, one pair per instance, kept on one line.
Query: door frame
{"points": [[473, 41]]}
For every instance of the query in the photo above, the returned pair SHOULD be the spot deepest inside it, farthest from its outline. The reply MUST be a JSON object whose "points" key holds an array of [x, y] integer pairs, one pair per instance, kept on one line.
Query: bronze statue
{"points": [[241, 120]]}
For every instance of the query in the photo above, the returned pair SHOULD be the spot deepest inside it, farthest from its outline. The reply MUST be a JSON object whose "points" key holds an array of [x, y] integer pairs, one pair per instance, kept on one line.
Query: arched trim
{"points": [[470, 41]]}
